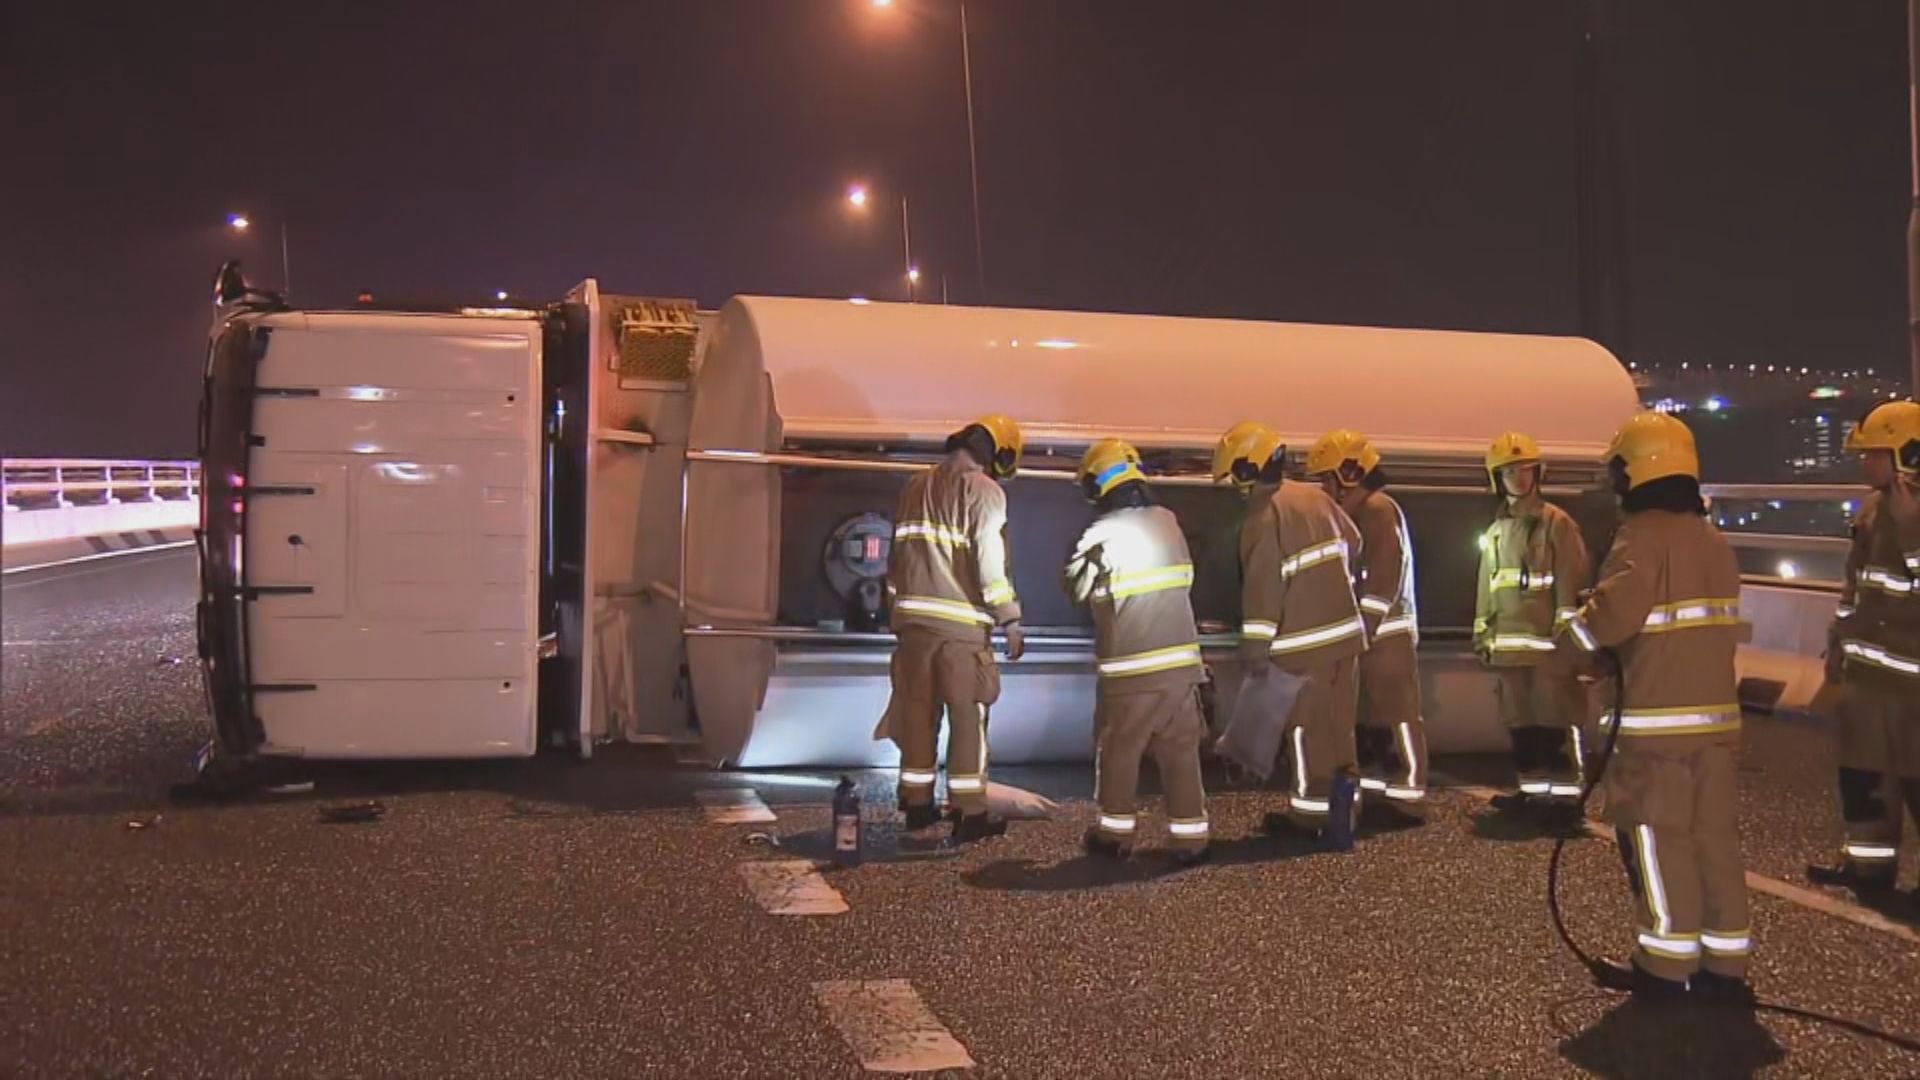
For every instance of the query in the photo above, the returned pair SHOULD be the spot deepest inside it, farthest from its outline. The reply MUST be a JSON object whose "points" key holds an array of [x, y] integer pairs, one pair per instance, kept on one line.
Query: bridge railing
{"points": [[1787, 534], [63, 483]]}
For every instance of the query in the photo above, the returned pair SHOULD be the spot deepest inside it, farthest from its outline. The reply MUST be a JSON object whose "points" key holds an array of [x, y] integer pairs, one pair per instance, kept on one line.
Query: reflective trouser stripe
{"points": [[1405, 794], [1535, 787], [1652, 883], [1868, 653], [1671, 946], [1870, 852], [965, 783], [1565, 791], [1726, 943], [916, 777], [1187, 828], [1118, 823]]}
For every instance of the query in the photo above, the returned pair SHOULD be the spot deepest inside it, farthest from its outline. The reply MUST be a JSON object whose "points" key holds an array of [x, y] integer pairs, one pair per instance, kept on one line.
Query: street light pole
{"points": [[286, 264], [906, 242], [1913, 216], [973, 157]]}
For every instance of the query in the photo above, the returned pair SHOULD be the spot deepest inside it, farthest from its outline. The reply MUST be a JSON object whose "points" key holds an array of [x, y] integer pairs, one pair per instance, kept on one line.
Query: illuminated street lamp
{"points": [[973, 151], [242, 224], [857, 197]]}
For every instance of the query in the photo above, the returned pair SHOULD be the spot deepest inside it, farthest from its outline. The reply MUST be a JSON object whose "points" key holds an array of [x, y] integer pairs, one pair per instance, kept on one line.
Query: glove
{"points": [[1016, 640]]}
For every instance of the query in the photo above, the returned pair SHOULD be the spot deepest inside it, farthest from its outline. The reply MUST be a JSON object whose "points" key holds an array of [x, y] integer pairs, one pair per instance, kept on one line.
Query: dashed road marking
{"points": [[889, 1028], [1810, 899], [733, 806], [792, 887]]}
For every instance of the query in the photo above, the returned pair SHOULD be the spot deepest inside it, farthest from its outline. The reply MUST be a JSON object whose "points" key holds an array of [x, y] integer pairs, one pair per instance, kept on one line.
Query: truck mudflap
{"points": [[226, 441]]}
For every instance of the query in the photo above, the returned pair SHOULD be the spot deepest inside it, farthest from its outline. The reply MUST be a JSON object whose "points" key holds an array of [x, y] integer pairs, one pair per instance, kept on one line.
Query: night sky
{"points": [[1408, 163]]}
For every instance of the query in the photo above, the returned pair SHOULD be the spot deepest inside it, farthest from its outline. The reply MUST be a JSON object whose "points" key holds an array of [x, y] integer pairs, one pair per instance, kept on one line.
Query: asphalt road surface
{"points": [[551, 918]]}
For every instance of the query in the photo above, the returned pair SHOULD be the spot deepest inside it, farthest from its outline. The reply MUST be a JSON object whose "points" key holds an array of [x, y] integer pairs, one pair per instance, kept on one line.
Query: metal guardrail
{"points": [[1787, 534], [62, 483]]}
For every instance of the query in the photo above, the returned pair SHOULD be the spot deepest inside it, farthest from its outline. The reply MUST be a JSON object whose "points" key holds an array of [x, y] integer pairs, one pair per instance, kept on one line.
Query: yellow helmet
{"points": [[1332, 452], [1894, 426], [1248, 441], [1653, 446], [1513, 448], [1007, 442], [1108, 464]]}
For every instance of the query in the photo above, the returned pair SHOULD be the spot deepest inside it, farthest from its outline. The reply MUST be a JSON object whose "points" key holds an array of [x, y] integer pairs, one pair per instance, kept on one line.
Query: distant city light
{"points": [[499, 294], [1713, 404], [1825, 392], [857, 195], [913, 273], [239, 222], [1847, 506], [858, 300], [1683, 365], [1788, 570]]}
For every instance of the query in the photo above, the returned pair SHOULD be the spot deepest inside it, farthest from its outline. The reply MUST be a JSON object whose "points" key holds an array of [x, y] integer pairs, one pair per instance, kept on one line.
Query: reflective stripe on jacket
{"points": [[1133, 569], [1668, 602], [947, 567], [1296, 588], [1387, 602], [1533, 563], [1878, 633]]}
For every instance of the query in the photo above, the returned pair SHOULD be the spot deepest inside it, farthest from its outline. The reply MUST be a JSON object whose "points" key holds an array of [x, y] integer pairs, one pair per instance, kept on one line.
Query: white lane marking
{"points": [[733, 806], [889, 1028], [792, 887], [1810, 899], [97, 555]]}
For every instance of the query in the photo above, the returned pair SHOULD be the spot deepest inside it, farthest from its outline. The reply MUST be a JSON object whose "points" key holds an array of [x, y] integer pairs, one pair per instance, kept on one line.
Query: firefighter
{"points": [[1391, 741], [1298, 613], [1667, 608], [1131, 566], [947, 572], [1533, 565], [1873, 655]]}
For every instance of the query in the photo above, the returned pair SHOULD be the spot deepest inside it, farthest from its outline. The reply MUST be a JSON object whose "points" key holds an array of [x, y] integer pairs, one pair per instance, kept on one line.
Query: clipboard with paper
{"points": [[1259, 720]]}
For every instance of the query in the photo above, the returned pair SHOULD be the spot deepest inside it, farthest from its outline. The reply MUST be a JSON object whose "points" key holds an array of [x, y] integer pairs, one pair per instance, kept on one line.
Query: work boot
{"points": [[1185, 857], [1562, 815], [1279, 823], [1517, 803], [922, 817], [1099, 843], [981, 826], [1388, 815], [1721, 989], [1847, 876], [1638, 981]]}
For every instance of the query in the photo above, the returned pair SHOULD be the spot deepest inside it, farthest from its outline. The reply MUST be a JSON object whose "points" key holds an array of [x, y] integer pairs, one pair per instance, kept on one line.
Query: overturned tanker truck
{"points": [[484, 531]]}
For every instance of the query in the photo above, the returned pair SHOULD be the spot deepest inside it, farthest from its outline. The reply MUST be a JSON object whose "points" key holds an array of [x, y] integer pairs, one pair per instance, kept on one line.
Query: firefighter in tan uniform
{"points": [[1667, 605], [1391, 740], [1131, 566], [1873, 655], [947, 573], [1298, 611], [1533, 565]]}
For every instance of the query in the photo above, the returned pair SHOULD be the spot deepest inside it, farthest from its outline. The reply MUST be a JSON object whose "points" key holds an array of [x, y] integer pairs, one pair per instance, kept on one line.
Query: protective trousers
{"points": [[1391, 742], [1168, 724], [1319, 738], [1878, 735], [1674, 807], [932, 673], [1544, 710]]}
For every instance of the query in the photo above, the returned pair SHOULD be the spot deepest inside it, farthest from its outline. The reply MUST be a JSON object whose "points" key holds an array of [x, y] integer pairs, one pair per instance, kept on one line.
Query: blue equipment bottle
{"points": [[848, 829], [1341, 810]]}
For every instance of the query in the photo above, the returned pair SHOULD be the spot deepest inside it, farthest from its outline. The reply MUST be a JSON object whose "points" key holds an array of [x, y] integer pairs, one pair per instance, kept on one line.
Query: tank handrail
{"points": [[1787, 492], [863, 464]]}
